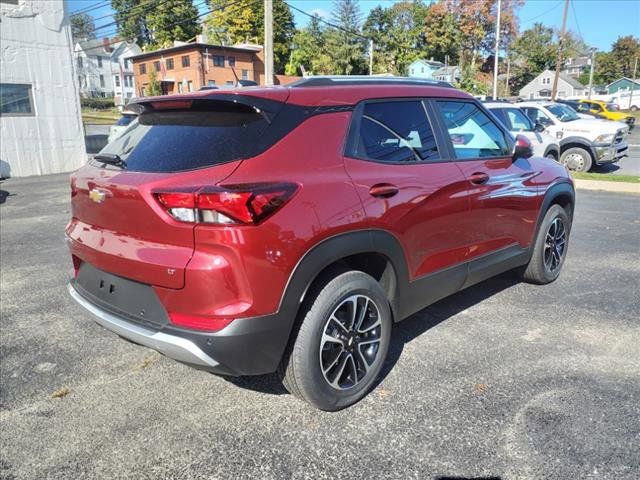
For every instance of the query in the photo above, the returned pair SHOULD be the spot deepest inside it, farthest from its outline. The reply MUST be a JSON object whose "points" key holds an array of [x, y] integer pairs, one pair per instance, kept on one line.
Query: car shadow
{"points": [[403, 332], [606, 168]]}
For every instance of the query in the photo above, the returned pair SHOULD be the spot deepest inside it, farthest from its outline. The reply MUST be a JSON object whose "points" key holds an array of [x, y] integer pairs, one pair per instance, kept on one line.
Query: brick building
{"points": [[186, 67]]}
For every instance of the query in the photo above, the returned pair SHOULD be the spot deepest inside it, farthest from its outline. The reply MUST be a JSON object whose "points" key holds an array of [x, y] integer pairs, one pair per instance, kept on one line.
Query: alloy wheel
{"points": [[350, 342], [574, 161], [555, 243]]}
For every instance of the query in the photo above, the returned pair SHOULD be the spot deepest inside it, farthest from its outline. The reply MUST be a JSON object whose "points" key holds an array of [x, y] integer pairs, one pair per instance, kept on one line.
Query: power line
{"points": [[127, 10], [543, 13], [91, 7], [575, 18], [337, 27], [223, 7]]}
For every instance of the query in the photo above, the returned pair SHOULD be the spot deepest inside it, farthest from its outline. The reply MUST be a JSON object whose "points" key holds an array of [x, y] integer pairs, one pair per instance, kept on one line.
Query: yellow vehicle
{"points": [[601, 109]]}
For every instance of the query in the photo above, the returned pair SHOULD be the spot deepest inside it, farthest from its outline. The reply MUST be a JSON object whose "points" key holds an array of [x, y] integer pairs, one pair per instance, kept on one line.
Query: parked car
{"points": [[574, 105], [517, 122], [584, 142], [287, 228], [607, 110], [121, 125]]}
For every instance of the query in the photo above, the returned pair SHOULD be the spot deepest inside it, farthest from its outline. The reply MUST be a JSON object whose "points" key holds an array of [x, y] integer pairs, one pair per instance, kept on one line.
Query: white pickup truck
{"points": [[584, 142]]}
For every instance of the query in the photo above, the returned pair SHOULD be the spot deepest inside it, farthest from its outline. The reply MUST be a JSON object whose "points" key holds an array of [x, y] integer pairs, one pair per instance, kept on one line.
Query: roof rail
{"points": [[336, 80]]}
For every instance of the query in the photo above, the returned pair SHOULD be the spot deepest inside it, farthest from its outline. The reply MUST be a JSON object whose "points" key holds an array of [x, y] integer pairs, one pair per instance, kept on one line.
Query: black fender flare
{"points": [[579, 141], [562, 188], [554, 149], [331, 250]]}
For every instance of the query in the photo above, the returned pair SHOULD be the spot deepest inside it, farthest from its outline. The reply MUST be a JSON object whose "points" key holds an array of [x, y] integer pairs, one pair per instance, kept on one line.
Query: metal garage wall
{"points": [[36, 49]]}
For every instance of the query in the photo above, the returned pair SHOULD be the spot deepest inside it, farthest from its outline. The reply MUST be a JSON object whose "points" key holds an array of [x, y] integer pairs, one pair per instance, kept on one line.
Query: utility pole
{"points": [[370, 56], [497, 54], [633, 84], [268, 42], [507, 91], [593, 61], [554, 91]]}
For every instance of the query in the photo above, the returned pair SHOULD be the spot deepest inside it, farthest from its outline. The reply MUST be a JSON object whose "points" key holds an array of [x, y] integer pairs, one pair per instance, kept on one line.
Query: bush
{"points": [[98, 103]]}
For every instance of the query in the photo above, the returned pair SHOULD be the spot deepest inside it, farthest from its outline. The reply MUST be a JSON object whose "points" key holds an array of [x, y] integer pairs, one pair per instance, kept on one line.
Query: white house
{"points": [[541, 86], [40, 122], [104, 70], [449, 74], [422, 68]]}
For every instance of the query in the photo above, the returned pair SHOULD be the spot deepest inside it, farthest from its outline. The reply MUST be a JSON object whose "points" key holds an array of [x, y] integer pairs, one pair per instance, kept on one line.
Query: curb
{"points": [[601, 185]]}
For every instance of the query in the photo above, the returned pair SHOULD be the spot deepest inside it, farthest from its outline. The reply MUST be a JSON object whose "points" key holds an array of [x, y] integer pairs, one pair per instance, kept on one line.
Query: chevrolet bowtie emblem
{"points": [[97, 196]]}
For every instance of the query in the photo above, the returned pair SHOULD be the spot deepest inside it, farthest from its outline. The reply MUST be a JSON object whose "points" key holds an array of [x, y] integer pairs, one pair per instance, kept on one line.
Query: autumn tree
{"points": [[82, 27], [442, 34], [232, 23]]}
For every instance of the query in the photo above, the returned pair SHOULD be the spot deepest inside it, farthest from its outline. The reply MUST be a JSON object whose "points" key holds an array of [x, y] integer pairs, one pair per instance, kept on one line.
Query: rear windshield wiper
{"points": [[111, 159]]}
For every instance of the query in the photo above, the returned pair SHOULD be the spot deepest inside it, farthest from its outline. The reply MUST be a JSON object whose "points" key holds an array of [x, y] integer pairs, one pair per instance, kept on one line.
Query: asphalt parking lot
{"points": [[504, 380], [630, 165]]}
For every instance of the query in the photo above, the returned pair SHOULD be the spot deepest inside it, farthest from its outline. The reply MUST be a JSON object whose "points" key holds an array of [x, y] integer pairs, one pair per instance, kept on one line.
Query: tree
{"points": [[156, 25], [345, 44], [442, 33], [172, 20], [232, 23], [398, 35], [307, 54], [624, 52], [82, 27], [531, 53], [153, 89]]}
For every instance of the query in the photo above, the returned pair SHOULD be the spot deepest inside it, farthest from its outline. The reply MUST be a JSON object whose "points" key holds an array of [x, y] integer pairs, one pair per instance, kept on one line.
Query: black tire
{"points": [[302, 369], [552, 155], [539, 270], [634, 108], [576, 159]]}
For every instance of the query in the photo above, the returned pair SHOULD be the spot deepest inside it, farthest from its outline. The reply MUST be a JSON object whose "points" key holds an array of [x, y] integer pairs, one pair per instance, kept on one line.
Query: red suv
{"points": [[286, 229]]}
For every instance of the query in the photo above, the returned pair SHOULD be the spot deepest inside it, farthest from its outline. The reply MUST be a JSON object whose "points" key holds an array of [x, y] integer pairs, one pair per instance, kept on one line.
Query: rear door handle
{"points": [[383, 190], [479, 178]]}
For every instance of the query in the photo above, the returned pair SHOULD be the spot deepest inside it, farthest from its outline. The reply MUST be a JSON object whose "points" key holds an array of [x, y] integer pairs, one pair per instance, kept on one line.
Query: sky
{"points": [[598, 22]]}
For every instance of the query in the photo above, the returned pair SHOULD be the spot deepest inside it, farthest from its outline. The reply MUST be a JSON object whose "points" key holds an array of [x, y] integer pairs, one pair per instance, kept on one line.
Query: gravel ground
{"points": [[504, 380]]}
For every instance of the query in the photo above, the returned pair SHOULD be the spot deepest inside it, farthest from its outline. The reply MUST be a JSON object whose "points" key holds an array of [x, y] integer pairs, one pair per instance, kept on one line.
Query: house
{"points": [[449, 74], [575, 66], [424, 68], [103, 70], [40, 121], [187, 67], [623, 84], [541, 86]]}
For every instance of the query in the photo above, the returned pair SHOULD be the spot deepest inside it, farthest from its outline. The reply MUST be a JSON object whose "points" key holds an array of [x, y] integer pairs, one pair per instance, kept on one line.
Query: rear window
{"points": [[125, 120], [208, 134]]}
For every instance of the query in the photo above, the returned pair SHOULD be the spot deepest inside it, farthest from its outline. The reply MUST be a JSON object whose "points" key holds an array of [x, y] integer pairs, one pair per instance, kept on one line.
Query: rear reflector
{"points": [[231, 204], [199, 323]]}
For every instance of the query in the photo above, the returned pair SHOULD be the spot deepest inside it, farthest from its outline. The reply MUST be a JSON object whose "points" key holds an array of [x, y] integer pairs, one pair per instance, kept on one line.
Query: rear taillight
{"points": [[231, 204]]}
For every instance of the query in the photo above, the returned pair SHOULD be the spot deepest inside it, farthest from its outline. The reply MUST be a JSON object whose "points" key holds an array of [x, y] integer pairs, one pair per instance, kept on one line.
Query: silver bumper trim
{"points": [[172, 346]]}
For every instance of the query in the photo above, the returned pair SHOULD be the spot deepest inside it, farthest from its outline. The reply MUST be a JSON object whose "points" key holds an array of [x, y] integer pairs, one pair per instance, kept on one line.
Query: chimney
{"points": [[106, 44]]}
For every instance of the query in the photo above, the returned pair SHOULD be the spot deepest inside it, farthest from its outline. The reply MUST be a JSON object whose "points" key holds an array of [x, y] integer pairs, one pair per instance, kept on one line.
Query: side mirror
{"points": [[522, 148], [539, 127]]}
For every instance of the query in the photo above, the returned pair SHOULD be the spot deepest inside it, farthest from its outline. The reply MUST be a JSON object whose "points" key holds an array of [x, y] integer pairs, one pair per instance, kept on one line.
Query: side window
{"points": [[537, 116], [473, 134], [595, 107], [519, 122], [500, 114], [396, 132]]}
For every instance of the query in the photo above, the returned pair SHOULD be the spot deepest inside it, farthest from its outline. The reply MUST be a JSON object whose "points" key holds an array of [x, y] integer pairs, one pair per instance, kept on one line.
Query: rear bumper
{"points": [[250, 346]]}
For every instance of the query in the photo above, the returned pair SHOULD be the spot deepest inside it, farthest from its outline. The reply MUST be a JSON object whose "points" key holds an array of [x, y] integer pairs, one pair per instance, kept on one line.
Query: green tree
{"points": [[82, 27], [158, 24], [131, 21], [153, 89], [345, 44], [531, 53], [624, 52], [229, 24], [308, 55], [470, 82], [172, 20], [398, 35]]}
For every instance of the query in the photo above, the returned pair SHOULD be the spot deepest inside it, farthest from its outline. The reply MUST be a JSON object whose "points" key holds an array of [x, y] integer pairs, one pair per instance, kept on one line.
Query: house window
{"points": [[156, 65], [412, 71], [211, 83], [99, 61], [232, 61], [180, 88], [245, 74], [101, 81], [229, 82], [128, 80], [169, 63], [142, 91], [421, 69], [16, 99], [126, 63], [218, 61], [143, 68], [79, 62], [185, 61], [189, 86], [117, 80]]}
